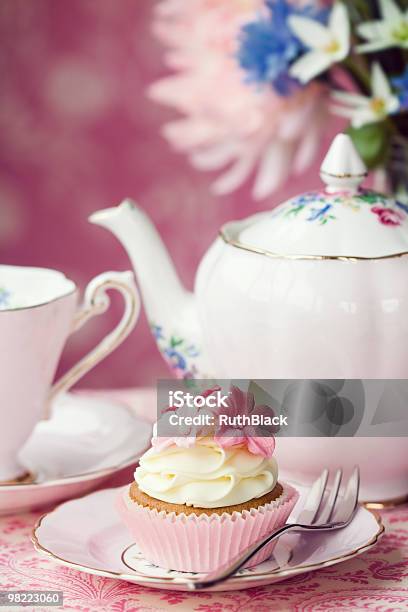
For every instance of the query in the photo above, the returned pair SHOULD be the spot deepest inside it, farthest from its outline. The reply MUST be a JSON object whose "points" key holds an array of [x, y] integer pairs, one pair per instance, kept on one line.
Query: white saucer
{"points": [[85, 441], [87, 534]]}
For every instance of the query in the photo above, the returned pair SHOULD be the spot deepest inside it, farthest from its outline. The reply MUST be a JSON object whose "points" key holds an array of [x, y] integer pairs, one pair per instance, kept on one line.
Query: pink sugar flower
{"points": [[242, 403], [188, 433]]}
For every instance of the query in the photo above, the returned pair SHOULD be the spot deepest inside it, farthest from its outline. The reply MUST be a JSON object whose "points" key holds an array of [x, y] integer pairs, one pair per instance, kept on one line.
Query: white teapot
{"points": [[315, 288]]}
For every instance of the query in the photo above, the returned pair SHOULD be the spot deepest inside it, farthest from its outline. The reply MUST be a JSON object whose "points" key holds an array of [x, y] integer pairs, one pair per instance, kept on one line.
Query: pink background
{"points": [[78, 134]]}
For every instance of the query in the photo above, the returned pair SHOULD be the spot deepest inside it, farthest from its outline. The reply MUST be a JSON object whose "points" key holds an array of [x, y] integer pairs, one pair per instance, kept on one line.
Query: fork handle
{"points": [[228, 569], [223, 572]]}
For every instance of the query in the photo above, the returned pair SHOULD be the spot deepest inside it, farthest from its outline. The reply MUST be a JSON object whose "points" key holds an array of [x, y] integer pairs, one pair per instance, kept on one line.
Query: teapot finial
{"points": [[342, 168]]}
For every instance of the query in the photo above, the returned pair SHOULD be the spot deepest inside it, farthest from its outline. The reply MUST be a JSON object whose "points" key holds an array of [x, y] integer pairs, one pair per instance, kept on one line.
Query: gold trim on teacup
{"points": [[239, 245], [59, 297], [143, 578], [110, 342]]}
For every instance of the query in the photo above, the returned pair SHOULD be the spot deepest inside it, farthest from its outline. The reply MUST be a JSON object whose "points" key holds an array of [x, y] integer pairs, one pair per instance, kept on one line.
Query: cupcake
{"points": [[197, 502]]}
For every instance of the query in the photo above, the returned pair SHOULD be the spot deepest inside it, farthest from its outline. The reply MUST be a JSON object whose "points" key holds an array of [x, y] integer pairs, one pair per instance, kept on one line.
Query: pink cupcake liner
{"points": [[200, 543]]}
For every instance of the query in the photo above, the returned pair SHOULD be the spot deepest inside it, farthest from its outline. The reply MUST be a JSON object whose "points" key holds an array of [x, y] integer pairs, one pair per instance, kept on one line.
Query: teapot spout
{"points": [[170, 308], [151, 261]]}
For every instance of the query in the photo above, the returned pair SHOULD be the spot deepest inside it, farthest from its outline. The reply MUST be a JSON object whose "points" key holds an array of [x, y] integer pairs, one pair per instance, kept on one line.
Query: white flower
{"points": [[390, 31], [328, 44], [364, 109], [243, 133]]}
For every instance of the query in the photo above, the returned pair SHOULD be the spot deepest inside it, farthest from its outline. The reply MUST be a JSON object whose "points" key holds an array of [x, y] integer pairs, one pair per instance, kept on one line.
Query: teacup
{"points": [[38, 312]]}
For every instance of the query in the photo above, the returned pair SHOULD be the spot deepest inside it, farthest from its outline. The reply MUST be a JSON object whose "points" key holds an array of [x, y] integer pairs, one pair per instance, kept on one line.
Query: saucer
{"points": [[87, 534], [75, 451]]}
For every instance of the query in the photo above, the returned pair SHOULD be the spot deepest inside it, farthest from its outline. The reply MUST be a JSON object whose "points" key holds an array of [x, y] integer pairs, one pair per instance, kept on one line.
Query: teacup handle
{"points": [[96, 302]]}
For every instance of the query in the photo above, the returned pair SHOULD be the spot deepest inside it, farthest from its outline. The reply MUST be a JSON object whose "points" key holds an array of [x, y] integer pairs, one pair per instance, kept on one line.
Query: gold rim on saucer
{"points": [[74, 477], [143, 578], [263, 574], [386, 504]]}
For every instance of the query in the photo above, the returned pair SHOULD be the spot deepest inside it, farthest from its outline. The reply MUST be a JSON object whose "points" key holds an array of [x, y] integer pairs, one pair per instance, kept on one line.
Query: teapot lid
{"points": [[340, 221]]}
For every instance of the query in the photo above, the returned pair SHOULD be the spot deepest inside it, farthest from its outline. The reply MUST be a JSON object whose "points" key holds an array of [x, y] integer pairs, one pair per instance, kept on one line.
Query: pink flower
{"points": [[228, 124], [388, 216], [242, 403], [188, 433]]}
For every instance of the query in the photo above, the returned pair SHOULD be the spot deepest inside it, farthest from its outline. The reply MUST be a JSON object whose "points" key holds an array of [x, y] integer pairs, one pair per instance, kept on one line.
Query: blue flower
{"points": [[175, 358], [4, 297], [157, 331], [319, 213], [401, 85], [402, 205], [267, 46]]}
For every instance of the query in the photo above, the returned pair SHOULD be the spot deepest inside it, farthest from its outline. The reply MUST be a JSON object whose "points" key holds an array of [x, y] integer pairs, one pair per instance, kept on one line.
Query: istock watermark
{"points": [[283, 407], [225, 420], [179, 399]]}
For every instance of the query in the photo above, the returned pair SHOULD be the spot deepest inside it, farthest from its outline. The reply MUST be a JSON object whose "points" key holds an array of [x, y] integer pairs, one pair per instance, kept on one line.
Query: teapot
{"points": [[316, 288]]}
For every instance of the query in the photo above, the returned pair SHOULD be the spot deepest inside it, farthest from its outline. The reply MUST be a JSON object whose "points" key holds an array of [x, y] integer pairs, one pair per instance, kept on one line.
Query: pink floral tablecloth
{"points": [[376, 580]]}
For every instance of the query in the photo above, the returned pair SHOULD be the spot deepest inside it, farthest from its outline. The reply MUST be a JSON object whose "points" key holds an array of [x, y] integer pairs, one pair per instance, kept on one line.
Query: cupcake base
{"points": [[145, 500], [198, 540]]}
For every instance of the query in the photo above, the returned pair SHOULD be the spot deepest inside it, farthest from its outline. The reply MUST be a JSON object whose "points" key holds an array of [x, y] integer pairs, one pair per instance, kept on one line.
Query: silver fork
{"points": [[318, 514]]}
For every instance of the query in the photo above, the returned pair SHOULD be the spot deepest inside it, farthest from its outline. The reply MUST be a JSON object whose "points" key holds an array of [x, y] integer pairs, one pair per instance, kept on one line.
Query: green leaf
{"points": [[371, 197], [372, 142], [359, 10]]}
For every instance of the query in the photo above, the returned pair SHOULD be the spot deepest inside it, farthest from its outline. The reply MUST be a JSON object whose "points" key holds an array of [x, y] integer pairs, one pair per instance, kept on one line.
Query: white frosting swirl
{"points": [[205, 475]]}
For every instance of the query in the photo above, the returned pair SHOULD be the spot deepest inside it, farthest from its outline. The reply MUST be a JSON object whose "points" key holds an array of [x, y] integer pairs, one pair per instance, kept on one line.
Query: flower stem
{"points": [[359, 74]]}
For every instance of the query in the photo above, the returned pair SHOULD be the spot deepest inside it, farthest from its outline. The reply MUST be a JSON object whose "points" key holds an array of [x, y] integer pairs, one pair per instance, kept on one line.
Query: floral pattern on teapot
{"points": [[5, 296], [177, 351], [319, 207]]}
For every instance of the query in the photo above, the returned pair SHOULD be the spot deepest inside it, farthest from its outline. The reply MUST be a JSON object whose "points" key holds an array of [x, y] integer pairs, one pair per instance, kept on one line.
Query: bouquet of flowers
{"points": [[256, 80]]}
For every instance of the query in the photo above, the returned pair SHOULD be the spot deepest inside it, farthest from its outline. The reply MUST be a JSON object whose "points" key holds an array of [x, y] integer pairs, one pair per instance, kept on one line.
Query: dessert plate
{"points": [[86, 534], [85, 441]]}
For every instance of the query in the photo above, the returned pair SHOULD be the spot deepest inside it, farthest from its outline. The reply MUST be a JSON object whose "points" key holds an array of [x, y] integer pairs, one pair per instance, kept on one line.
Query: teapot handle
{"points": [[96, 302]]}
